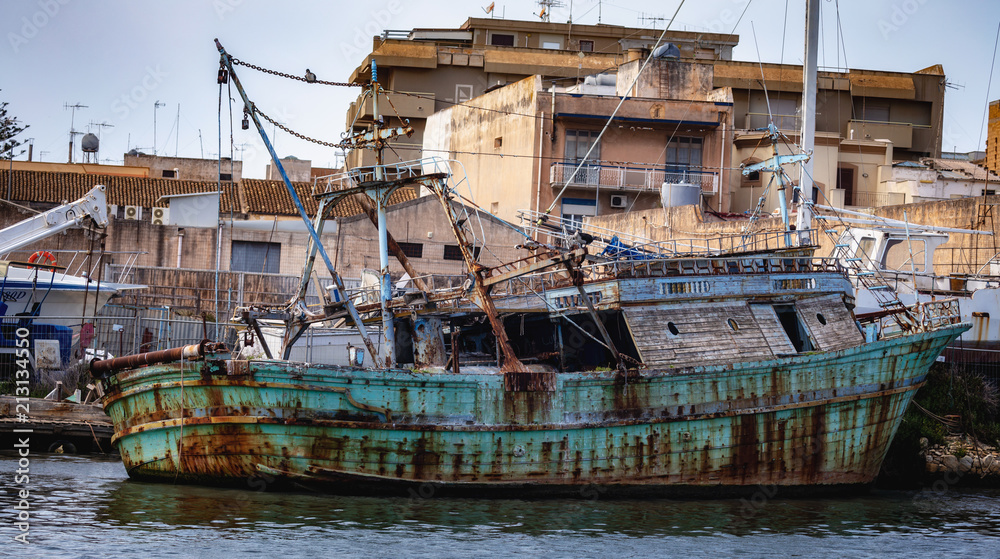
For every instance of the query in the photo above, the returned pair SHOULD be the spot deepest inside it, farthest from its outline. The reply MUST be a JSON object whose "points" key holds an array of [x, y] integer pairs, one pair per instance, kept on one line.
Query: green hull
{"points": [[815, 421]]}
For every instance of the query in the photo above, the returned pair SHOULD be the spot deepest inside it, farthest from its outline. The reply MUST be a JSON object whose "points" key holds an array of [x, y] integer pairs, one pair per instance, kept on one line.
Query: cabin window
{"points": [[453, 252], [733, 325], [897, 255], [412, 250], [673, 328], [864, 250], [821, 318], [794, 327], [502, 40], [250, 256]]}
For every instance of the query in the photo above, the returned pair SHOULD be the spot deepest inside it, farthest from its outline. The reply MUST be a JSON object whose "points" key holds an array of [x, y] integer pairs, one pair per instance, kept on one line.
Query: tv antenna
{"points": [[156, 105], [72, 129], [100, 126], [655, 20], [546, 12]]}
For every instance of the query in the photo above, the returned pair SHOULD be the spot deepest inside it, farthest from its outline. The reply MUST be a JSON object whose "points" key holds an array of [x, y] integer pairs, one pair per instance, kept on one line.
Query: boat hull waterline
{"points": [[811, 423]]}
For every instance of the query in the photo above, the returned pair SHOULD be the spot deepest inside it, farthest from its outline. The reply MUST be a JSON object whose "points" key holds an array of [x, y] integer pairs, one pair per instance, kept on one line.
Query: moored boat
{"points": [[643, 372], [733, 400]]}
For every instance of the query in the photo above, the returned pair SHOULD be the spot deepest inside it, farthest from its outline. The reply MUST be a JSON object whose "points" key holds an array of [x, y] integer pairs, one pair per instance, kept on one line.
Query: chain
{"points": [[291, 77], [296, 134]]}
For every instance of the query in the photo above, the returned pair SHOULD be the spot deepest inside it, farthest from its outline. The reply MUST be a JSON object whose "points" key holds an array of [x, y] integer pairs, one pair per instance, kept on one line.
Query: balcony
{"points": [[756, 121], [629, 178], [899, 133], [407, 104]]}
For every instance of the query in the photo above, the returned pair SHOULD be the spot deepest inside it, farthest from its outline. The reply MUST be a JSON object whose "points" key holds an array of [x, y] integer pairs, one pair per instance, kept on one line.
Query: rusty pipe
{"points": [[193, 351]]}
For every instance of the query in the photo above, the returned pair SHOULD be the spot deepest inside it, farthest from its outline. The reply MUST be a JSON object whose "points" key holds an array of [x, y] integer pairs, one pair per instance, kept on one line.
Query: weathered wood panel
{"points": [[839, 330], [767, 319], [707, 333]]}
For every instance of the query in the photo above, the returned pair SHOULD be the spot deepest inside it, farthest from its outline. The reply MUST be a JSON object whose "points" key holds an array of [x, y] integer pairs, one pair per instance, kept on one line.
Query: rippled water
{"points": [[87, 507]]}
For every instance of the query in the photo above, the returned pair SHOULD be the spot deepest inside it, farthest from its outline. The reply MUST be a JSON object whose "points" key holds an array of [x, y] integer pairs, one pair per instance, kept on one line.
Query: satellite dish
{"points": [[668, 51], [90, 143]]}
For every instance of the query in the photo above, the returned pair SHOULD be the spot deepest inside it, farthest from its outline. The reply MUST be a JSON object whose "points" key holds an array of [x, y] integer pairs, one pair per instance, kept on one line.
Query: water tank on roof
{"points": [[90, 143], [680, 194], [667, 51]]}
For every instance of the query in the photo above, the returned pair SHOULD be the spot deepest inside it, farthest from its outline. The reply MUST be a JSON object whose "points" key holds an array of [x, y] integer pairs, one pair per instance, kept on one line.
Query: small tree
{"points": [[8, 130]]}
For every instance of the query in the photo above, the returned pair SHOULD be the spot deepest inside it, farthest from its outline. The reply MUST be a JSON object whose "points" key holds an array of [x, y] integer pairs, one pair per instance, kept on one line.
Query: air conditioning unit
{"points": [[133, 212], [161, 216], [619, 201]]}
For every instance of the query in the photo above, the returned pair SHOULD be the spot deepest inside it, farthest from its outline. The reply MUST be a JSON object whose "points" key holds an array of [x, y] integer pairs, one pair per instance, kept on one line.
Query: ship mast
{"points": [[808, 137], [295, 315]]}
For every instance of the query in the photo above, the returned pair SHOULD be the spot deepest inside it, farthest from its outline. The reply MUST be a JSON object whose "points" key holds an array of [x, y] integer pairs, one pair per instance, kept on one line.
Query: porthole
{"points": [[673, 328], [734, 325], [821, 319]]}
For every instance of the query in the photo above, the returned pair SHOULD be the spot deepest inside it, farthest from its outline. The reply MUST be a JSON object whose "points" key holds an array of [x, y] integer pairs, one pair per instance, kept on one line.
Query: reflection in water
{"points": [[88, 507]]}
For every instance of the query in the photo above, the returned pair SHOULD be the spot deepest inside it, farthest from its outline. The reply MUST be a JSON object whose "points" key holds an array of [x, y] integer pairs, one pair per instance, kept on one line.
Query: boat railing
{"points": [[78, 262], [934, 314], [608, 243], [389, 172], [672, 267]]}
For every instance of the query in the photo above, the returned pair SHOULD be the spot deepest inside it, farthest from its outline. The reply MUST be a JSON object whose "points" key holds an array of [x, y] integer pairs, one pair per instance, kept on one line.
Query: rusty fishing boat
{"points": [[665, 370]]}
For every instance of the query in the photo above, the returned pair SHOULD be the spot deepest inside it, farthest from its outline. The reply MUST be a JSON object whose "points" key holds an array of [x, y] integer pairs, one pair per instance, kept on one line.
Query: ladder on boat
{"points": [[871, 279]]}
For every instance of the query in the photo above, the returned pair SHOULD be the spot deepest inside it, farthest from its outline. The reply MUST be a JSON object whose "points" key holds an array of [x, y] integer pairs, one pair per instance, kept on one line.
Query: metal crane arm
{"points": [[67, 216]]}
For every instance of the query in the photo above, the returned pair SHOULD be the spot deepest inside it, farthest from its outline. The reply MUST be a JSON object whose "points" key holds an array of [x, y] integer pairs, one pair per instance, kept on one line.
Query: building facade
{"points": [[428, 70], [863, 116], [525, 146]]}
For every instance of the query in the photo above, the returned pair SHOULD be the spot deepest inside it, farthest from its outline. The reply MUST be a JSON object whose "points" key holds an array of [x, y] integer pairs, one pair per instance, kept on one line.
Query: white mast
{"points": [[808, 137]]}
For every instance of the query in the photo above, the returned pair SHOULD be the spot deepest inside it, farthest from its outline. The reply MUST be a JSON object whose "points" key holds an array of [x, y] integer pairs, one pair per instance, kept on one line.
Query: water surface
{"points": [[87, 507]]}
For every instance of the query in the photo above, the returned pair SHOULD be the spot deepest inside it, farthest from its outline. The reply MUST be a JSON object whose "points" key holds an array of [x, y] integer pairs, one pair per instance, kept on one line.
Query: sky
{"points": [[137, 65]]}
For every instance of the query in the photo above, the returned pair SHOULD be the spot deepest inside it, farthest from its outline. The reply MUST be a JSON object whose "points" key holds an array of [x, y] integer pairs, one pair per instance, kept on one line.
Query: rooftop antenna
{"points": [[655, 20], [546, 12], [72, 130], [100, 125], [177, 129], [156, 105], [201, 144]]}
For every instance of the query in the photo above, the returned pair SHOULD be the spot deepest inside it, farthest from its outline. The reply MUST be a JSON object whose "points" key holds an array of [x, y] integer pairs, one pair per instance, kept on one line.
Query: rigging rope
{"points": [[239, 62]]}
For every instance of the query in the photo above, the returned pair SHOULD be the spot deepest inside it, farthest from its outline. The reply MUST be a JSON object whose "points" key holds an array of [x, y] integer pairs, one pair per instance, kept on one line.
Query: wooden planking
{"points": [[774, 332], [840, 330], [704, 334]]}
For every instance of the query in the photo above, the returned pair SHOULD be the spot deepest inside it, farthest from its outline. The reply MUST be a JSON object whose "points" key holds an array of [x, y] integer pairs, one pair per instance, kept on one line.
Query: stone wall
{"points": [[962, 460]]}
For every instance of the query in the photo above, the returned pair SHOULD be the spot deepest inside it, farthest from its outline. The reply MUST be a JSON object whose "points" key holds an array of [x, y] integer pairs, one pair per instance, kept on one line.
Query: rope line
{"points": [[239, 62]]}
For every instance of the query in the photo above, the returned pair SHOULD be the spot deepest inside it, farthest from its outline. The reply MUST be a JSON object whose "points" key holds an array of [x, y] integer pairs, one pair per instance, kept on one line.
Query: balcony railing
{"points": [[755, 121], [899, 133], [624, 177]]}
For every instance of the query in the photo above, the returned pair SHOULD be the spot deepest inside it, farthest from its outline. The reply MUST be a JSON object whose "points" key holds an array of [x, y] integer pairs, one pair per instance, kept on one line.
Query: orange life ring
{"points": [[44, 255]]}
